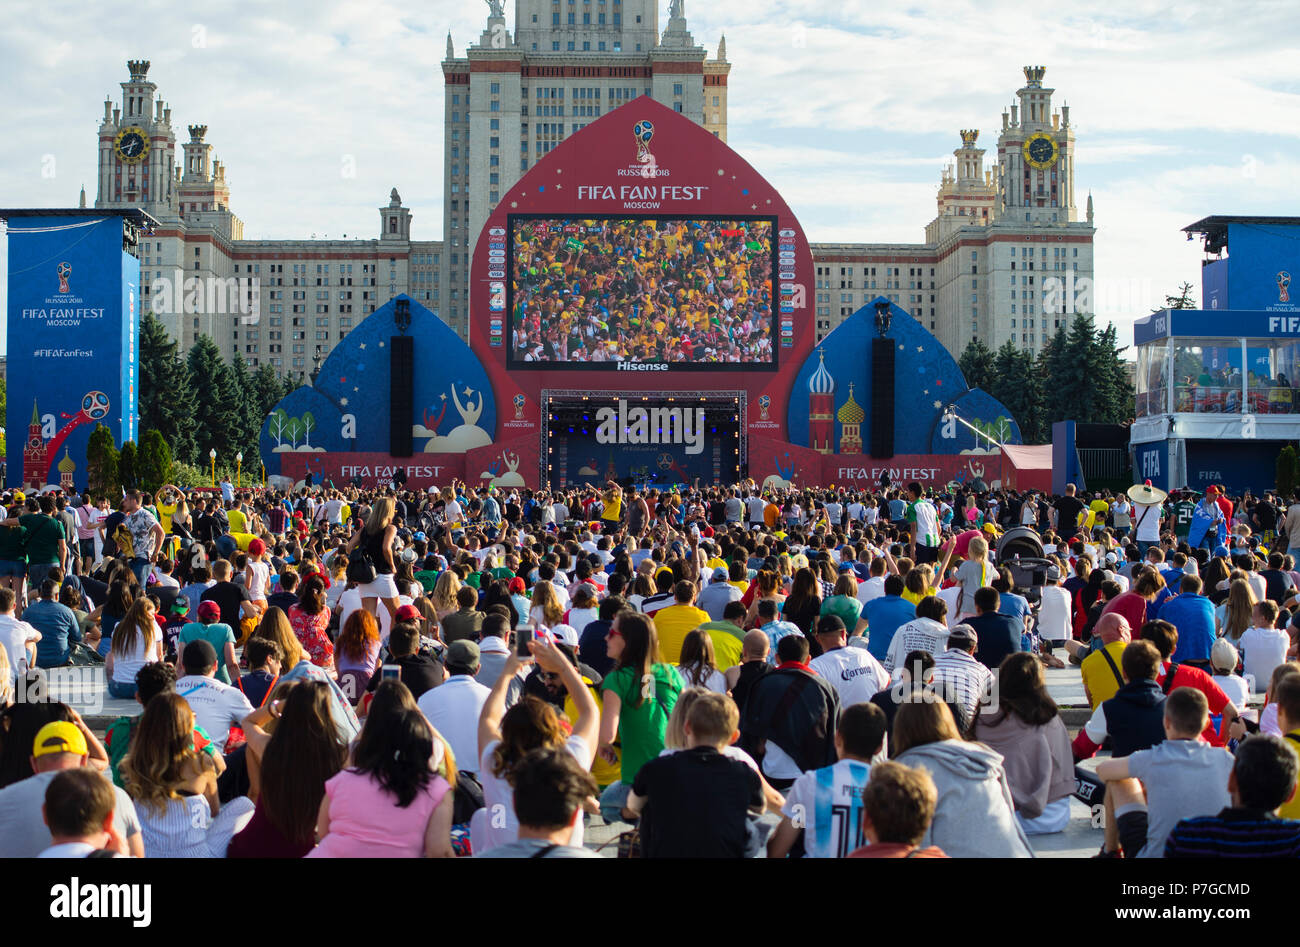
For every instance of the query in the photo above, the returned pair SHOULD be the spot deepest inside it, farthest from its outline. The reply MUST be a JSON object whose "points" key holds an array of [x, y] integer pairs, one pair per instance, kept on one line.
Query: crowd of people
{"points": [[695, 291], [716, 672]]}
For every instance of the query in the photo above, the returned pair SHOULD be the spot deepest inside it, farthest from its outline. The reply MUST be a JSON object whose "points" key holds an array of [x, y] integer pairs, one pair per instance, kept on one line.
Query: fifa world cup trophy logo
{"points": [[1284, 287], [64, 270], [519, 407], [763, 404], [643, 131]]}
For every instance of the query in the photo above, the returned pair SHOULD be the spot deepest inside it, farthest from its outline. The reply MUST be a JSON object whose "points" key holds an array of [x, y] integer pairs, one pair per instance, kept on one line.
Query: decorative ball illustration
{"points": [[664, 461], [644, 131], [94, 405]]}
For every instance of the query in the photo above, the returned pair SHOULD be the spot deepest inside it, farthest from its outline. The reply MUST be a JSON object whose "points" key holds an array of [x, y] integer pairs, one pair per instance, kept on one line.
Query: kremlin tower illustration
{"points": [[821, 396], [822, 415], [36, 461]]}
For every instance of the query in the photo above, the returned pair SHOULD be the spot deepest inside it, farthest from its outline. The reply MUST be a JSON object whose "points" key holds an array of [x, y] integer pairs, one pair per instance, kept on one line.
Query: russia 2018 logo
{"points": [[64, 270], [1283, 287], [643, 132]]}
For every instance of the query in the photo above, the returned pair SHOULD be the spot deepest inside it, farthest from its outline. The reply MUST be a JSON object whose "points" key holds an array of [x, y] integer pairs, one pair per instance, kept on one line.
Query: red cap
{"points": [[408, 613], [209, 611], [517, 584], [1211, 491]]}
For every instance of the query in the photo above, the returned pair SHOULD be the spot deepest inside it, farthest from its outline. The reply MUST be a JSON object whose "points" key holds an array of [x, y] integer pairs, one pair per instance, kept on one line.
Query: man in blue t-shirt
{"points": [[884, 615], [57, 624], [1193, 615]]}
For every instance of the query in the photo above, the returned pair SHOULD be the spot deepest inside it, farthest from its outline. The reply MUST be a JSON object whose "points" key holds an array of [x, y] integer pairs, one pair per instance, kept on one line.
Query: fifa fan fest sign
{"points": [[73, 340], [641, 309]]}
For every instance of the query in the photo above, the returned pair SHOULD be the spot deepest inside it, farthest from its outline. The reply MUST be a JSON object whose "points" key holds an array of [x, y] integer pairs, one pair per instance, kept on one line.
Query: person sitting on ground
{"points": [[927, 632], [216, 633], [1165, 637], [1025, 726], [265, 659], [695, 803], [1100, 670], [1263, 645], [1180, 778], [754, 664], [175, 785], [78, 810], [548, 788], [853, 672], [1263, 779], [64, 742], [974, 815], [817, 802], [150, 681], [216, 707], [776, 628], [958, 676], [1286, 702], [998, 634], [898, 807], [1225, 660], [467, 621], [1193, 615]]}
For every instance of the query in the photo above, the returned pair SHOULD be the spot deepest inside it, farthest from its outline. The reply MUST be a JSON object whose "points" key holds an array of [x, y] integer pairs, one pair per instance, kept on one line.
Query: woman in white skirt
{"points": [[376, 539]]}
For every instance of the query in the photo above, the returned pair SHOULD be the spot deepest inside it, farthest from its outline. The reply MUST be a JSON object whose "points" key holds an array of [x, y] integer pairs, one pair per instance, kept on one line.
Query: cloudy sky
{"points": [[850, 108]]}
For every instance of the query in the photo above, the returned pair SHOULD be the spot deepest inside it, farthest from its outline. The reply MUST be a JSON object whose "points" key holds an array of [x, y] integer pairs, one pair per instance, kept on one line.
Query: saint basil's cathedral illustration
{"points": [[822, 418]]}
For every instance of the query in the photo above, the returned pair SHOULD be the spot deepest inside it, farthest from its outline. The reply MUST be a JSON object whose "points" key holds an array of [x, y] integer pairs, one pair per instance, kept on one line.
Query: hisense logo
{"points": [[642, 367], [623, 425]]}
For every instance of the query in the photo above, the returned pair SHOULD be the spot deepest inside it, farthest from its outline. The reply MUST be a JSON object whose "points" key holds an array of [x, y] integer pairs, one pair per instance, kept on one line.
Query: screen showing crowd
{"points": [[692, 292]]}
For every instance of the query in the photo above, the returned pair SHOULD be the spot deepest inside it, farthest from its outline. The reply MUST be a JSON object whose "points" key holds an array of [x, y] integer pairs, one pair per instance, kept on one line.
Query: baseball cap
{"points": [[1211, 491], [1112, 558], [407, 613], [1053, 574], [565, 634], [210, 610], [1221, 552], [720, 574], [420, 537], [461, 653], [963, 634], [59, 737], [517, 584]]}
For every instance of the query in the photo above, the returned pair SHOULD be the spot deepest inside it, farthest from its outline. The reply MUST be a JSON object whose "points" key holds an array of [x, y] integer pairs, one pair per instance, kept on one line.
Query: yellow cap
{"points": [[59, 737]]}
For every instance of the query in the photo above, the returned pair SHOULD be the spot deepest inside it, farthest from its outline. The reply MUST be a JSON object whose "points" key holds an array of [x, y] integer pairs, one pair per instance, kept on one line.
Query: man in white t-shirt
{"points": [[853, 672], [18, 638], [1147, 502], [217, 707], [755, 506], [454, 706], [873, 587], [826, 804], [1054, 610], [1262, 646]]}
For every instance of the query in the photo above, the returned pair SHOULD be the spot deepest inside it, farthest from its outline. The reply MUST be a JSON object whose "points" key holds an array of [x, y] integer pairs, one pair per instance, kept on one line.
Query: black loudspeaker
{"points": [[401, 387], [882, 398]]}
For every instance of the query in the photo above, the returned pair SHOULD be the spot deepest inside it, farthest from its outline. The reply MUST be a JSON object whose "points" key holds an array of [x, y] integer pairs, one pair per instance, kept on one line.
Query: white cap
{"points": [[565, 634]]}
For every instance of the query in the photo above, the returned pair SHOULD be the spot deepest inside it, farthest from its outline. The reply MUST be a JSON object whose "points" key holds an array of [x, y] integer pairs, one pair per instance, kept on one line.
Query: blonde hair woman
{"points": [[547, 610], [444, 593], [137, 641], [175, 786], [376, 541], [1234, 616]]}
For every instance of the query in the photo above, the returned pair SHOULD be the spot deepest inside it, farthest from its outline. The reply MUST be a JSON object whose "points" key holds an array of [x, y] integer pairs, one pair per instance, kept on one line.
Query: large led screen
{"points": [[641, 294]]}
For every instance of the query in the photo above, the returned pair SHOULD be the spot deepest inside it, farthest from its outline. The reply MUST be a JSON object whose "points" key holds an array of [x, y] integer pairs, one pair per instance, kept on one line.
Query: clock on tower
{"points": [[1040, 151], [131, 145]]}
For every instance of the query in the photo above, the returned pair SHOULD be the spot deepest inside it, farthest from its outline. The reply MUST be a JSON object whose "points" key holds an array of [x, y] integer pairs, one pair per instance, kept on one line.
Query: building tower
{"points": [[968, 195], [35, 462], [1036, 156], [66, 468], [137, 147], [513, 96], [821, 397], [851, 417]]}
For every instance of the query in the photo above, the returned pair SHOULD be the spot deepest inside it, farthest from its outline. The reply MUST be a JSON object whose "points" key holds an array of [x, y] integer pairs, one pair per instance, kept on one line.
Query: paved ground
{"points": [[83, 688]]}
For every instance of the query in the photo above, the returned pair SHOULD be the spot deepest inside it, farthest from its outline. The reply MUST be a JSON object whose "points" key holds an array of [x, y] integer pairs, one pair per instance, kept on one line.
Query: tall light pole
{"points": [[212, 455], [239, 469]]}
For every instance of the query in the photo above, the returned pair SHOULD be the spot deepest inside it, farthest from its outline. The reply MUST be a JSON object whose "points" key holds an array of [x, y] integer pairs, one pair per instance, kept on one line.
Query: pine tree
{"points": [[1183, 300], [217, 412], [128, 466], [1016, 385], [153, 461], [102, 463], [248, 416], [977, 365], [167, 397], [267, 390], [1288, 471]]}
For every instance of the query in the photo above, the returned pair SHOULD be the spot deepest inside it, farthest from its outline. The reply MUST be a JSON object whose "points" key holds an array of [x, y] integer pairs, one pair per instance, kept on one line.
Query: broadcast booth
{"points": [[1216, 396]]}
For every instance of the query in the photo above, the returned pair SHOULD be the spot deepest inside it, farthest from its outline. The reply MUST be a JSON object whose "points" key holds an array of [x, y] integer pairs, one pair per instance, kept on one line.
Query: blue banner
{"points": [[73, 340]]}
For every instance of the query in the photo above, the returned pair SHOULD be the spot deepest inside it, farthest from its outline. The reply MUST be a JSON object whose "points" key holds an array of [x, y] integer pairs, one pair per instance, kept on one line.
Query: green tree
{"points": [[167, 398], [267, 391], [977, 365], [102, 463], [248, 413], [1288, 472], [1184, 299], [128, 466], [1016, 384], [153, 461], [217, 412]]}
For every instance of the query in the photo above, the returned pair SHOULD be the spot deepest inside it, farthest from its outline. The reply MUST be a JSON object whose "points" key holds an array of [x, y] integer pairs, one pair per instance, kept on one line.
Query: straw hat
{"points": [[1145, 494]]}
